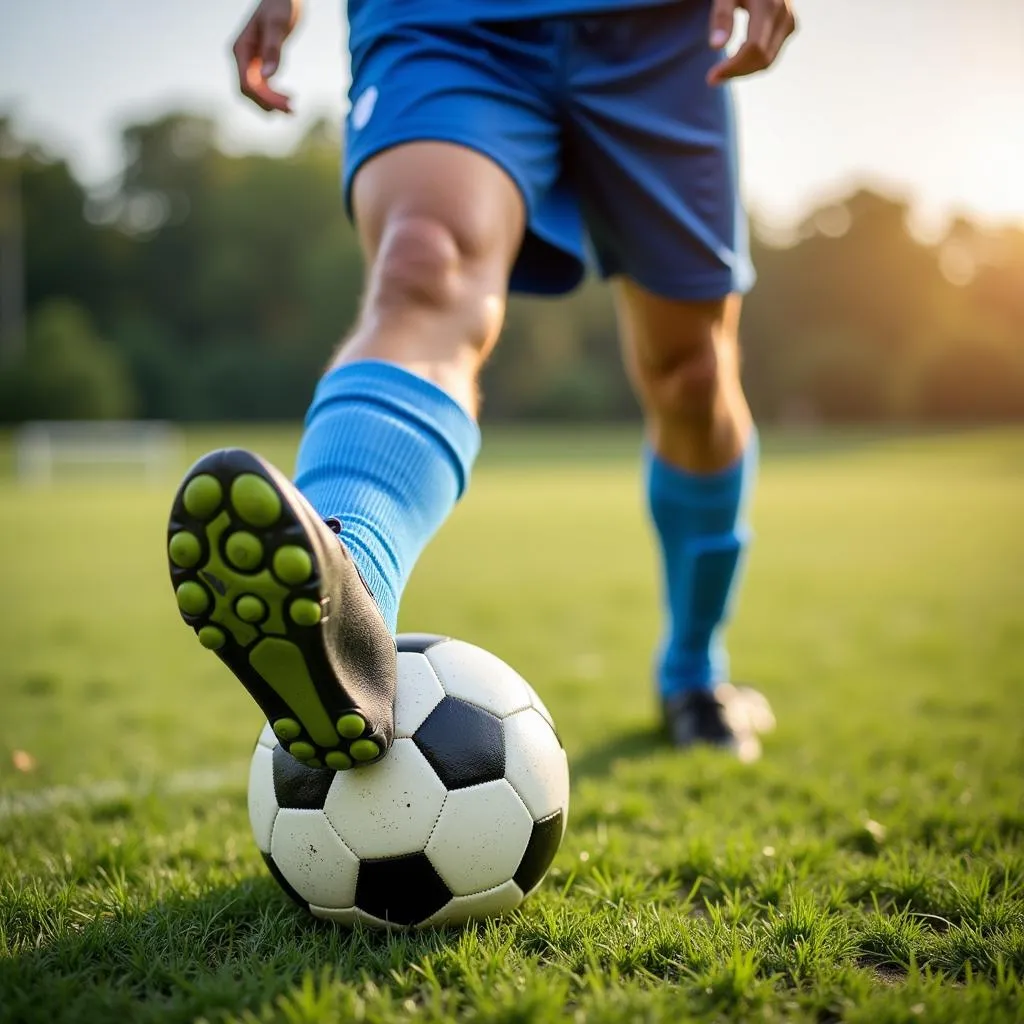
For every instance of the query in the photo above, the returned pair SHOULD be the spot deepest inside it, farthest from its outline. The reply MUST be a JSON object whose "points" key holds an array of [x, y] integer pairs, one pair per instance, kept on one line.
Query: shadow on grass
{"points": [[224, 951], [598, 761]]}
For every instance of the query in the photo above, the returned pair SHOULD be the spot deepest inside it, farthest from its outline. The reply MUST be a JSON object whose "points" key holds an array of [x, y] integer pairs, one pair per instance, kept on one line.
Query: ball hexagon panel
{"points": [[480, 838], [479, 677], [262, 804], [417, 694], [499, 900], [349, 916], [313, 860], [283, 882], [389, 808], [545, 839], [535, 763], [464, 744], [541, 707], [297, 786], [418, 643], [401, 890]]}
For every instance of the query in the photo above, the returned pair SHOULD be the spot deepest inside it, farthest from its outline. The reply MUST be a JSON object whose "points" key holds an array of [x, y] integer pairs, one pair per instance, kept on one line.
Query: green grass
{"points": [[870, 868]]}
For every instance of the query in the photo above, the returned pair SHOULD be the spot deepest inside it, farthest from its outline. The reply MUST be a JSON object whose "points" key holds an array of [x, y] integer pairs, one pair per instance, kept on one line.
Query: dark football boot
{"points": [[272, 589], [731, 717]]}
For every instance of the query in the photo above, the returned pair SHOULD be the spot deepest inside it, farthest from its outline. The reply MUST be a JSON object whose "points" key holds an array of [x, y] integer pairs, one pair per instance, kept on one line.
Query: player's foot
{"points": [[731, 717], [268, 585]]}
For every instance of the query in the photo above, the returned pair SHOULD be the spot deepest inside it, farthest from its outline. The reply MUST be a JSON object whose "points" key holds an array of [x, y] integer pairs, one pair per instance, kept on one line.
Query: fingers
{"points": [[783, 30], [257, 53], [723, 13], [771, 23], [275, 28]]}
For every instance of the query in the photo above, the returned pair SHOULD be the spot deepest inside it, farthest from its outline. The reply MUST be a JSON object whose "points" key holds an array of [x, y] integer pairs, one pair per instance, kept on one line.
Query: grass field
{"points": [[870, 868]]}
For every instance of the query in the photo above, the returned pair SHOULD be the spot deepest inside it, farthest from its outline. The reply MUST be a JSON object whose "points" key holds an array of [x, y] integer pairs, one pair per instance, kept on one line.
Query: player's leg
{"points": [[654, 150], [306, 618], [701, 458], [391, 435], [303, 617]]}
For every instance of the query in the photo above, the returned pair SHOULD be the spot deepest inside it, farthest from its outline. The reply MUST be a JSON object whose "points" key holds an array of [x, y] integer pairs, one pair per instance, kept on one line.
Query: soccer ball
{"points": [[461, 819]]}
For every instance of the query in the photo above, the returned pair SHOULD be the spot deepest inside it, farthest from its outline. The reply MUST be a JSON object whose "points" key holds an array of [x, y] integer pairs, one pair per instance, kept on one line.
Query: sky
{"points": [[922, 98]]}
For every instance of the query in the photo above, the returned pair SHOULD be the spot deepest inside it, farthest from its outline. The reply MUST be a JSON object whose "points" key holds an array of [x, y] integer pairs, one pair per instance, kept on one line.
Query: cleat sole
{"points": [[246, 568], [244, 551], [184, 550]]}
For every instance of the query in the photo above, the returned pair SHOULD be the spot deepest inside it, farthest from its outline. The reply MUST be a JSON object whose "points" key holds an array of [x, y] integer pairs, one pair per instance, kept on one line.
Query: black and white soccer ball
{"points": [[460, 820]]}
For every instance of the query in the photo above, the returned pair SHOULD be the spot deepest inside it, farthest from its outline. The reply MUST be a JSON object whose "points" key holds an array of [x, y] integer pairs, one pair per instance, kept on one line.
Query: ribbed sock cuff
{"points": [[673, 483], [417, 399]]}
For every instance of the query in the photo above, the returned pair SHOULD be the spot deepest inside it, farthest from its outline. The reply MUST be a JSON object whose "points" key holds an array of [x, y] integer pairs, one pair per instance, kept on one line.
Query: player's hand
{"points": [[771, 24], [257, 52]]}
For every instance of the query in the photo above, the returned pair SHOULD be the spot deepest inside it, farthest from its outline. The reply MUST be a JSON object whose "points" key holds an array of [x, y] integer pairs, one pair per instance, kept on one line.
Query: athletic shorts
{"points": [[624, 156]]}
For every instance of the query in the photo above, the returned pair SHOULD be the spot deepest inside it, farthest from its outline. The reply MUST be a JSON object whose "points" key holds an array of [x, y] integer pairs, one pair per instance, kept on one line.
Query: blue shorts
{"points": [[605, 124]]}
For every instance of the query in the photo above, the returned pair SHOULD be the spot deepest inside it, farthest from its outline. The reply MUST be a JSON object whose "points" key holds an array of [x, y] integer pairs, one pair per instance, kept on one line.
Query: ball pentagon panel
{"points": [[401, 890], [297, 786], [545, 838], [464, 744]]}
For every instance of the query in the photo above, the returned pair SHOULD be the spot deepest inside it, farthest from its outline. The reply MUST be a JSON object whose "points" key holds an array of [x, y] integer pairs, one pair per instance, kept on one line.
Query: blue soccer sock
{"points": [[389, 454], [700, 520]]}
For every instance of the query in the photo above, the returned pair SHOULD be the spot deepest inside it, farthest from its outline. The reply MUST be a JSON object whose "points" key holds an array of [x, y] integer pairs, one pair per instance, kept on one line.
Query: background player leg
{"points": [[391, 433], [701, 459]]}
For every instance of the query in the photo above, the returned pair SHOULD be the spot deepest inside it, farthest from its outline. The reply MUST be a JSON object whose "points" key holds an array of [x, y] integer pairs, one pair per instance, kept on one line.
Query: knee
{"points": [[426, 266], [684, 379]]}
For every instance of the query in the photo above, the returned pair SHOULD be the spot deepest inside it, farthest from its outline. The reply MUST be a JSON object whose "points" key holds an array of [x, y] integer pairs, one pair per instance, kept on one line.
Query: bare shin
{"points": [[440, 226]]}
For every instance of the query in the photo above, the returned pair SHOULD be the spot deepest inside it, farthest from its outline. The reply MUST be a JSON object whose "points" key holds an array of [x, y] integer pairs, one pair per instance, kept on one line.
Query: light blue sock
{"points": [[700, 520], [389, 454]]}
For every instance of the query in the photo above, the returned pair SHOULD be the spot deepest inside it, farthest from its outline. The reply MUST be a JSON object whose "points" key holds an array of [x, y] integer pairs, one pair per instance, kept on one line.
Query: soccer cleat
{"points": [[731, 717], [268, 585]]}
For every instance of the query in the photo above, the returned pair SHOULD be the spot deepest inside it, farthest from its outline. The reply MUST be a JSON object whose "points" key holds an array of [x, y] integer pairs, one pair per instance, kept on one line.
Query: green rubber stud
{"points": [[255, 500], [305, 612], [314, 762], [202, 495], [244, 551], [364, 750], [287, 729], [302, 751], [338, 761], [212, 638], [351, 726], [292, 564], [192, 598], [249, 608], [184, 550]]}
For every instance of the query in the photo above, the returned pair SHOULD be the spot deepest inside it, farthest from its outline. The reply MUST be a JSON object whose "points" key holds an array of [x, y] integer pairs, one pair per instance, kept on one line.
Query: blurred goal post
{"points": [[152, 448]]}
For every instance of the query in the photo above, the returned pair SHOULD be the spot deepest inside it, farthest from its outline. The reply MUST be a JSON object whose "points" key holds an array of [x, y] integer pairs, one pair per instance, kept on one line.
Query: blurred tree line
{"points": [[205, 286]]}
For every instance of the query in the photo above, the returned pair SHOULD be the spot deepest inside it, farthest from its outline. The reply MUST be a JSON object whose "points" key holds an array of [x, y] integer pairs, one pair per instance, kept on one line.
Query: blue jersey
{"points": [[366, 16]]}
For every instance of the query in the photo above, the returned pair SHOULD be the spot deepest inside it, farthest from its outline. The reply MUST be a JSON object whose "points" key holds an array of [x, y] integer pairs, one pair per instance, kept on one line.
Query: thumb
{"points": [[722, 14]]}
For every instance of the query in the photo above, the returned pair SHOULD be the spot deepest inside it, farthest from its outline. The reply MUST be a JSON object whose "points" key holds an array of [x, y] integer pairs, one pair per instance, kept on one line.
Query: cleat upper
{"points": [[728, 716]]}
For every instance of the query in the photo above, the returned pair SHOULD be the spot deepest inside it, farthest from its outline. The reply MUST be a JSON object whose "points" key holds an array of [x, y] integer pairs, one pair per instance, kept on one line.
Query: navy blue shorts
{"points": [[604, 122]]}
